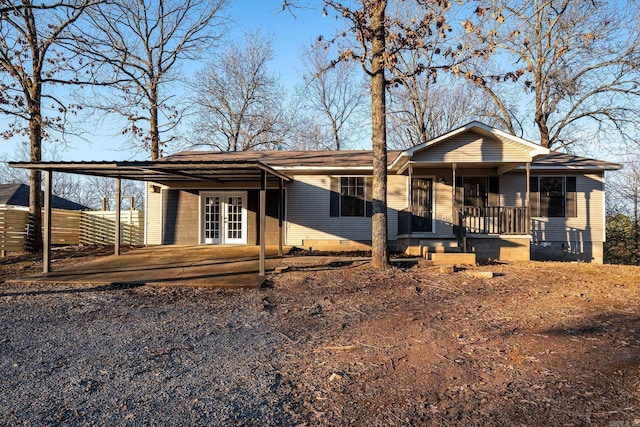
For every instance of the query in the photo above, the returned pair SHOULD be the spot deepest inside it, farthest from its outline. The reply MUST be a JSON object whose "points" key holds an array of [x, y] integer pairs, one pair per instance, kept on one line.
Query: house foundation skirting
{"points": [[336, 245], [500, 247], [503, 248], [567, 251]]}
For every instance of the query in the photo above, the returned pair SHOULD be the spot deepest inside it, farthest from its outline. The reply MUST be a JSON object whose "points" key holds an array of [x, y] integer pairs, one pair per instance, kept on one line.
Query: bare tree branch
{"points": [[143, 44]]}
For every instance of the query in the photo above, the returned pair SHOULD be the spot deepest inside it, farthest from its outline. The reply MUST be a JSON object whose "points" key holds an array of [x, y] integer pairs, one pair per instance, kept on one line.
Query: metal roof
{"points": [[570, 161], [285, 160], [212, 166], [162, 171]]}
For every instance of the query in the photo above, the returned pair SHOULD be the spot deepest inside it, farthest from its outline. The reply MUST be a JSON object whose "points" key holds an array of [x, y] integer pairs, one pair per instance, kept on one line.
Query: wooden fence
{"points": [[72, 228], [13, 225]]}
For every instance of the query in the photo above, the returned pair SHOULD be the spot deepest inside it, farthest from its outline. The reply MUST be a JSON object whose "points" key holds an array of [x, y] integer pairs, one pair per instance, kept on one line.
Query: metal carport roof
{"points": [[162, 171]]}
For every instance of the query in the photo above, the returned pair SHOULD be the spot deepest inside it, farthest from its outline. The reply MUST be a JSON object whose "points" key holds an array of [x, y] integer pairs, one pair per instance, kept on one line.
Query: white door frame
{"points": [[228, 218], [433, 199]]}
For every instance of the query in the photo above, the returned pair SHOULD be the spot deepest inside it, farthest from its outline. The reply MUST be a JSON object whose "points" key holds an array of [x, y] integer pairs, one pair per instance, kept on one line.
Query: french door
{"points": [[224, 218]]}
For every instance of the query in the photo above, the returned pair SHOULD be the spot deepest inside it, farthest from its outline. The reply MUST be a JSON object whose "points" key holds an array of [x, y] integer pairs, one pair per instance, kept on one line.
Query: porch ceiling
{"points": [[161, 171], [496, 167]]}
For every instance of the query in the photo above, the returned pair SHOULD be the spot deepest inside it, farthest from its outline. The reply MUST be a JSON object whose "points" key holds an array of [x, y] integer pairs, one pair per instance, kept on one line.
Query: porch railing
{"points": [[496, 219], [480, 220]]}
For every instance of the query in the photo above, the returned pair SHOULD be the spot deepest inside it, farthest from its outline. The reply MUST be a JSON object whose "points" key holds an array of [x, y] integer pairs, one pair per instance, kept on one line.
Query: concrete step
{"points": [[439, 246], [440, 249], [450, 258]]}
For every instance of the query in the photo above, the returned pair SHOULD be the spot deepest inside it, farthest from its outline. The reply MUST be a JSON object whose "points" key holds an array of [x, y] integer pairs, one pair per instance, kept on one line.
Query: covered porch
{"points": [[464, 201], [171, 173], [468, 191]]}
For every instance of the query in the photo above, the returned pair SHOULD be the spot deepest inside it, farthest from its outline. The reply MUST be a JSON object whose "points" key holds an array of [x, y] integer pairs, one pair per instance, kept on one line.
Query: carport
{"points": [[160, 172]]}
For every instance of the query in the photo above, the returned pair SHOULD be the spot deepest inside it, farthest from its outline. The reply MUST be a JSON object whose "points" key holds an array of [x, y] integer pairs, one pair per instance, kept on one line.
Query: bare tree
{"points": [[421, 110], [239, 100], [97, 188], [379, 39], [578, 59], [337, 93], [140, 45], [31, 60]]}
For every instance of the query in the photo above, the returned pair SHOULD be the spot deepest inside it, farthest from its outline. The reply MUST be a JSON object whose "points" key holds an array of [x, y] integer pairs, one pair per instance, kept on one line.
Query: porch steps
{"points": [[438, 246], [445, 252], [451, 258]]}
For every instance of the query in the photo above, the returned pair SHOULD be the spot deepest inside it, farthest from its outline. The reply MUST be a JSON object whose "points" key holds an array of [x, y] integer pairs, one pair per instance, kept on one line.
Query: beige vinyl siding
{"points": [[397, 200], [587, 226], [308, 216], [443, 204], [513, 189], [153, 217], [472, 147]]}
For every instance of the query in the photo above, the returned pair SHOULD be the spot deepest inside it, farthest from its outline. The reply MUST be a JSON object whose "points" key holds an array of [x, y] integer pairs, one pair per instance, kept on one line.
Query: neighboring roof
{"points": [[569, 161], [291, 160], [18, 195]]}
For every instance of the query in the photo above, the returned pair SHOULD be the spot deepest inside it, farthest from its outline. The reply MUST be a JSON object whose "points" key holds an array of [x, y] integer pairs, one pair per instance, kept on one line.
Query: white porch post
{"points": [[116, 249], [453, 194], [263, 222], [410, 198], [46, 232], [280, 214], [526, 200]]}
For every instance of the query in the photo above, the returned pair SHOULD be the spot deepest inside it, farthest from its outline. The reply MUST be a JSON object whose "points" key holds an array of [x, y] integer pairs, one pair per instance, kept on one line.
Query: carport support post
{"points": [[116, 246], [280, 214], [46, 232], [526, 199], [263, 222]]}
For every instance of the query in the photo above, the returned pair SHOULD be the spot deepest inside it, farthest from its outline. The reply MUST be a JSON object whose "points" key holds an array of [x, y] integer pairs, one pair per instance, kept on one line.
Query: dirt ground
{"points": [[538, 344]]}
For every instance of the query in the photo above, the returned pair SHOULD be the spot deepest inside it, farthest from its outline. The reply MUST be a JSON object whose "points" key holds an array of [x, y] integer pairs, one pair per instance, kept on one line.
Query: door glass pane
{"points": [[212, 217], [234, 217]]}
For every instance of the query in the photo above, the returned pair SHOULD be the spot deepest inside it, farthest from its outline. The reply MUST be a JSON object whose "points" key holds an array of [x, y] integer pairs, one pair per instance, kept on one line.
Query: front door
{"points": [[224, 218], [422, 205]]}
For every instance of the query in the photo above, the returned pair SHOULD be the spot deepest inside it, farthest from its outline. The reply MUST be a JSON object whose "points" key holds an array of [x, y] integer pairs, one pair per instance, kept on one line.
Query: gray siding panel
{"points": [[587, 226], [253, 218], [308, 217], [181, 213]]}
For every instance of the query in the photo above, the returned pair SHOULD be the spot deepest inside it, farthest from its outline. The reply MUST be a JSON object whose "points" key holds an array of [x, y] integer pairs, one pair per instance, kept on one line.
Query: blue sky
{"points": [[291, 32]]}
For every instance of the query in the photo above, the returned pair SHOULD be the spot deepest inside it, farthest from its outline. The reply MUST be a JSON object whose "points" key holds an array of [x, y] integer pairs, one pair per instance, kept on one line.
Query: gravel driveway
{"points": [[132, 356]]}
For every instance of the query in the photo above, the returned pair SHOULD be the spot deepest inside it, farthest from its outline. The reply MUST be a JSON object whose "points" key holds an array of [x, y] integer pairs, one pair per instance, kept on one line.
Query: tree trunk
{"points": [[336, 137], [379, 252], [153, 124], [541, 122], [34, 235]]}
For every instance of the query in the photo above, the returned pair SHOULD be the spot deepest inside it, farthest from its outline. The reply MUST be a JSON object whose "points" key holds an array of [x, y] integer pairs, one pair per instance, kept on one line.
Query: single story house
{"points": [[475, 188]]}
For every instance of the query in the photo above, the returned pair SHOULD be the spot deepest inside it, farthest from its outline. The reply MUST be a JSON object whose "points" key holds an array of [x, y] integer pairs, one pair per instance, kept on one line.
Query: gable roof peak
{"points": [[485, 130]]}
